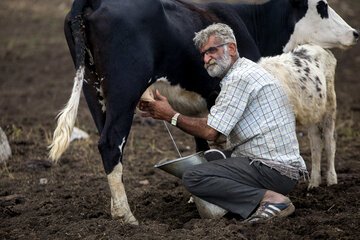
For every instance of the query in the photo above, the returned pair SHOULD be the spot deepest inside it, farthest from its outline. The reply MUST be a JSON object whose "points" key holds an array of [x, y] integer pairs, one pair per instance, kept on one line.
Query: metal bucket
{"points": [[177, 167], [208, 210]]}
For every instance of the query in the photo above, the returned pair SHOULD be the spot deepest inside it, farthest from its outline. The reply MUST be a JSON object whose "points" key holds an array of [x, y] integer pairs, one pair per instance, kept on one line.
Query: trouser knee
{"points": [[190, 180]]}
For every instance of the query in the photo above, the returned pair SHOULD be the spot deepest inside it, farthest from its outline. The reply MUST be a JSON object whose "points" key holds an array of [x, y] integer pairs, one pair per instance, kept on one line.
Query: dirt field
{"points": [[72, 200]]}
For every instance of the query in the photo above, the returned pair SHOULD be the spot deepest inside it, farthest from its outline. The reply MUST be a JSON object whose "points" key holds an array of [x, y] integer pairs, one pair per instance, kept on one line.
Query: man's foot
{"points": [[268, 210]]}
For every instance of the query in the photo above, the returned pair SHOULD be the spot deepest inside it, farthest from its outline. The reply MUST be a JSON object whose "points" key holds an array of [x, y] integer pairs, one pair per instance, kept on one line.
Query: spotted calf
{"points": [[307, 75]]}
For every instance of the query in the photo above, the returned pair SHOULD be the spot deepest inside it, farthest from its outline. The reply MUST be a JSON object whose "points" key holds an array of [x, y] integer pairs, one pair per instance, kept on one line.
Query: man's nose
{"points": [[207, 58]]}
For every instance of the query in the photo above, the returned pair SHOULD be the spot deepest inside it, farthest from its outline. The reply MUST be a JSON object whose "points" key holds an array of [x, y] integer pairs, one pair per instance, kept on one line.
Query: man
{"points": [[254, 113]]}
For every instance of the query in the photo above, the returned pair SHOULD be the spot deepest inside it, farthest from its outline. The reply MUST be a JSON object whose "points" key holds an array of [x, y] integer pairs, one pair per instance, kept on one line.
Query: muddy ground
{"points": [[71, 200]]}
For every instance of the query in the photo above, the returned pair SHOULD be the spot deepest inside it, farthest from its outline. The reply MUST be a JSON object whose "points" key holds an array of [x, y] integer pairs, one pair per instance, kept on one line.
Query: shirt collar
{"points": [[236, 64]]}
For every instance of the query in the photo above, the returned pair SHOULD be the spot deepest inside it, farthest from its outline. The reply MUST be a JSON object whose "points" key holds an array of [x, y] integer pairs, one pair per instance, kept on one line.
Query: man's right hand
{"points": [[158, 109]]}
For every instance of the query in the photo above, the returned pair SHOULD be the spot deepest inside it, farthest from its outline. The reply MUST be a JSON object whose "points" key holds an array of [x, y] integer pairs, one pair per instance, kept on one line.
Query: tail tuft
{"points": [[66, 119]]}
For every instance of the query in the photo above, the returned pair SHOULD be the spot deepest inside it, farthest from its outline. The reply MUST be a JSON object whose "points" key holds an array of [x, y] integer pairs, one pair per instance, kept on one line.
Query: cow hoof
{"points": [[331, 179], [313, 184], [132, 220], [315, 180], [126, 219], [135, 222]]}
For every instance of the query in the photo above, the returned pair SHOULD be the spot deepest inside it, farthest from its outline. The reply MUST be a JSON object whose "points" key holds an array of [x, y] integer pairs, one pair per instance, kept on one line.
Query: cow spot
{"points": [[302, 53], [307, 71], [322, 9], [297, 62]]}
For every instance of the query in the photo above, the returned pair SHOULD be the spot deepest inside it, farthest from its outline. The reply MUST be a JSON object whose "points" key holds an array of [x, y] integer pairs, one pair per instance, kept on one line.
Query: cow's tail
{"points": [[67, 116]]}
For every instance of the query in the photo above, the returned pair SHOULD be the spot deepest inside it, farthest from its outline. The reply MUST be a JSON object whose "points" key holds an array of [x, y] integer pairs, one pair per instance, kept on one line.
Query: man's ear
{"points": [[232, 49]]}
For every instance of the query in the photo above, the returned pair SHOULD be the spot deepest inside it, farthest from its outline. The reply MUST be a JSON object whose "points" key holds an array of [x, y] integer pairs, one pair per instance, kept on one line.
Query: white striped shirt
{"points": [[254, 113]]}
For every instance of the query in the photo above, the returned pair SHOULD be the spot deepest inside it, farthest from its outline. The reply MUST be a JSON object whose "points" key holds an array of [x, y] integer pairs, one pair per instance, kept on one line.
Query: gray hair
{"points": [[221, 31]]}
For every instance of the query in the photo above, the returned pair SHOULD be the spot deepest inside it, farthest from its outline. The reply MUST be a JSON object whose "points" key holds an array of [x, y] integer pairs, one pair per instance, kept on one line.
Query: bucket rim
{"points": [[164, 162]]}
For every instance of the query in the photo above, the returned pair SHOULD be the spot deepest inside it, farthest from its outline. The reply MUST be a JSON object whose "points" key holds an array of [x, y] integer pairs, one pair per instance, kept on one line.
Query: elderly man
{"points": [[254, 113]]}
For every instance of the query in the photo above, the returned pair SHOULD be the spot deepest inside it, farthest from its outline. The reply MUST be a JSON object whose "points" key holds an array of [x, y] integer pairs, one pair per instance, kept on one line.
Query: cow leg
{"points": [[329, 126], [119, 204], [111, 146], [123, 62], [121, 100], [330, 148], [119, 115], [316, 147]]}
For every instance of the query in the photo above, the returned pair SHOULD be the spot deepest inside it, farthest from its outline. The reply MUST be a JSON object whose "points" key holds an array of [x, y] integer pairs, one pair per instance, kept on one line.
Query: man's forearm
{"points": [[197, 127]]}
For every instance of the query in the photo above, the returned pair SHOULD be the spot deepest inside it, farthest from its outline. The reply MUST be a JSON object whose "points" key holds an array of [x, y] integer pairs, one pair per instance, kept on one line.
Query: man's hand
{"points": [[157, 109], [161, 109]]}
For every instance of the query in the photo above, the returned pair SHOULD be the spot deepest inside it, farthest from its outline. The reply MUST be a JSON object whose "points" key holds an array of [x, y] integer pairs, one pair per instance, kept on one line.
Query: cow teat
{"points": [[148, 95]]}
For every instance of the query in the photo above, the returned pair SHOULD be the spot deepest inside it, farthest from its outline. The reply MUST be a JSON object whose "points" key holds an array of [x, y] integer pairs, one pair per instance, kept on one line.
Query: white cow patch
{"points": [[119, 204], [101, 96], [121, 146]]}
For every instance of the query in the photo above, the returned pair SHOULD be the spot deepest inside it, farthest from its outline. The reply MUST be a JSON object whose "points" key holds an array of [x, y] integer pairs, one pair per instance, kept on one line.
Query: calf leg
{"points": [[329, 126], [330, 148], [329, 123], [316, 146]]}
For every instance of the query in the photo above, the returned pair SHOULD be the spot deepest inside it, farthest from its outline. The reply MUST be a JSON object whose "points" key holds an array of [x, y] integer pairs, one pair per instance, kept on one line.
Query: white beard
{"points": [[219, 67]]}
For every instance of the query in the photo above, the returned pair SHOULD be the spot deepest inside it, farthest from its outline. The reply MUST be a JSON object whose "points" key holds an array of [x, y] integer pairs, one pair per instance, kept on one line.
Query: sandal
{"points": [[267, 211]]}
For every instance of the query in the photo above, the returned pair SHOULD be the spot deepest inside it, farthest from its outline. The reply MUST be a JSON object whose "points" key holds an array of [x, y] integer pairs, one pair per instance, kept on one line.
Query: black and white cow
{"points": [[121, 47]]}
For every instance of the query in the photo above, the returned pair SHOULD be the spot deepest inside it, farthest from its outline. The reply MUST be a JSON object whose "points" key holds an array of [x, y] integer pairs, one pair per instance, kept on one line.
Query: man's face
{"points": [[216, 57]]}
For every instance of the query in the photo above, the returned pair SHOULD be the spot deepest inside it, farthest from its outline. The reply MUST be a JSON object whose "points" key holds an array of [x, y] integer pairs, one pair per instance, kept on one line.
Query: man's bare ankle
{"points": [[274, 197]]}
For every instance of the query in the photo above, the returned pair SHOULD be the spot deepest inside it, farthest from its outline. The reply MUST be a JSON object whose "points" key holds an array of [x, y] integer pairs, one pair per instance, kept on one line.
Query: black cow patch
{"points": [[302, 53], [297, 62], [322, 9]]}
